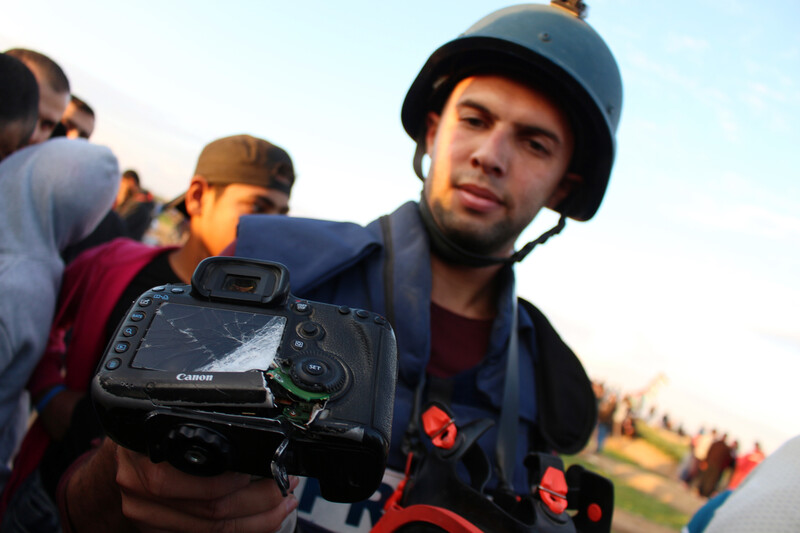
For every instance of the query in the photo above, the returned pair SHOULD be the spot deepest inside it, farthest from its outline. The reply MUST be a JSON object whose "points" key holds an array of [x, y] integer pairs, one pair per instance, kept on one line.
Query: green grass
{"points": [[673, 449], [638, 503], [634, 501], [620, 458]]}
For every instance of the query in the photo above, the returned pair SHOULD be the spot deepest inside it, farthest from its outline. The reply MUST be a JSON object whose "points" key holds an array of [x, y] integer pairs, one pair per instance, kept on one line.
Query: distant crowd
{"points": [[713, 462]]}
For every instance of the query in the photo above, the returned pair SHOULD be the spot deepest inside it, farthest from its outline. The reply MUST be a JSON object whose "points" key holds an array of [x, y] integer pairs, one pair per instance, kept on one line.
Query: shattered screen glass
{"points": [[186, 338]]}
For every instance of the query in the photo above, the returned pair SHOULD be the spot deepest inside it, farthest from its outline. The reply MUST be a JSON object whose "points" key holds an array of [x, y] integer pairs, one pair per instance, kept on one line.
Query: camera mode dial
{"points": [[318, 373]]}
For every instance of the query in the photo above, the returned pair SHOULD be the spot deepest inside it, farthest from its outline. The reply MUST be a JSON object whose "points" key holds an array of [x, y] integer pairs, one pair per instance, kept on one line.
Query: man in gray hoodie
{"points": [[51, 195]]}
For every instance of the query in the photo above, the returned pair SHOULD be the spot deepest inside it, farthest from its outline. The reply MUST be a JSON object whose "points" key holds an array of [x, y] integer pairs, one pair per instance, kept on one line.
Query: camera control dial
{"points": [[318, 373], [198, 450]]}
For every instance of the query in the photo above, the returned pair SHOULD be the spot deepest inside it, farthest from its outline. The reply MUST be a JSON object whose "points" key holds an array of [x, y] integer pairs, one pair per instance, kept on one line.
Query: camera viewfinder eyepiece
{"points": [[241, 281]]}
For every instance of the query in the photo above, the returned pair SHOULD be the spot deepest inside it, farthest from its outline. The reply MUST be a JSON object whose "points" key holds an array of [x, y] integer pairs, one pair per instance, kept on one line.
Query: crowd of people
{"points": [[517, 114], [742, 495], [713, 462], [72, 223], [618, 412]]}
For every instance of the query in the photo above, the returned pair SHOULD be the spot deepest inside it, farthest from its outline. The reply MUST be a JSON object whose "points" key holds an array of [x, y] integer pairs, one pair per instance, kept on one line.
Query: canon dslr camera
{"points": [[234, 373]]}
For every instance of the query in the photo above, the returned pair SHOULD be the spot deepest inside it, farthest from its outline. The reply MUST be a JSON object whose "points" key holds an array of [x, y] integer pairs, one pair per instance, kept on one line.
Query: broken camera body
{"points": [[234, 373]]}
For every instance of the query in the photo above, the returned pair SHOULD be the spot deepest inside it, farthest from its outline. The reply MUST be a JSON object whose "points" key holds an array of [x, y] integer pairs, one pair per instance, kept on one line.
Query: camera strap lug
{"points": [[278, 467]]}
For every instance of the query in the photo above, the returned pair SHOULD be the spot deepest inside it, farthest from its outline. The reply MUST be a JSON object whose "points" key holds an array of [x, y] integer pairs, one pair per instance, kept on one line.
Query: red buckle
{"points": [[553, 490], [439, 427]]}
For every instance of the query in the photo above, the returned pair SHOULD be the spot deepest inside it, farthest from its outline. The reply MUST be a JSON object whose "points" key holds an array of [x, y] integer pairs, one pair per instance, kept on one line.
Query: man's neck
{"points": [[186, 258], [469, 292]]}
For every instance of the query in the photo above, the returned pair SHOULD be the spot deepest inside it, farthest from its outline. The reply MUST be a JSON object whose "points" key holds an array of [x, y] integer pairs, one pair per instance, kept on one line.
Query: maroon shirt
{"points": [[457, 343]]}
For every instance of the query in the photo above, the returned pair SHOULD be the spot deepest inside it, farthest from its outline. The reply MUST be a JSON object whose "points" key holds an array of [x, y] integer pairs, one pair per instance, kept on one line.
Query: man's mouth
{"points": [[478, 198]]}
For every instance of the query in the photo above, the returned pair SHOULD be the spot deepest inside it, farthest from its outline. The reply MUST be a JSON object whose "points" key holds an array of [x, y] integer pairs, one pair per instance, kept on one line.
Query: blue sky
{"points": [[690, 267]]}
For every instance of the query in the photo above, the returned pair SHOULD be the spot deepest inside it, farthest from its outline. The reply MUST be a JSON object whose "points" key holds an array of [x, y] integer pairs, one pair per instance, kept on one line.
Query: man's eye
{"points": [[475, 122], [538, 147], [261, 208]]}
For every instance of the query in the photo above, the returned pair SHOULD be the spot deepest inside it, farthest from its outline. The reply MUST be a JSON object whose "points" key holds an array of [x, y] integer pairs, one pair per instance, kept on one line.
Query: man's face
{"points": [[127, 187], [221, 211], [52, 105], [499, 151], [79, 124], [14, 135]]}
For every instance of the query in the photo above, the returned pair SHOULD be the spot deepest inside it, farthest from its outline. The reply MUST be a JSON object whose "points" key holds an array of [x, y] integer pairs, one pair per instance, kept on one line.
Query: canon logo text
{"points": [[195, 377]]}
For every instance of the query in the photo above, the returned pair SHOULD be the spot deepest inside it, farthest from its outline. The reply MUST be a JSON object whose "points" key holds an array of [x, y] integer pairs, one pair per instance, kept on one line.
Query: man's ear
{"points": [[194, 196], [568, 184], [432, 125]]}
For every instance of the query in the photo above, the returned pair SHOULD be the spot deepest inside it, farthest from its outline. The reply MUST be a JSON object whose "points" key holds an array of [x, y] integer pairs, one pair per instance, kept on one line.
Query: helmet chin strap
{"points": [[453, 253]]}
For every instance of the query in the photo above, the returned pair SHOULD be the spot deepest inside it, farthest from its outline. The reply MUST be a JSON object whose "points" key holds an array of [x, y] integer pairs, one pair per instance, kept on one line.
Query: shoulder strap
{"points": [[388, 268], [566, 402], [509, 410]]}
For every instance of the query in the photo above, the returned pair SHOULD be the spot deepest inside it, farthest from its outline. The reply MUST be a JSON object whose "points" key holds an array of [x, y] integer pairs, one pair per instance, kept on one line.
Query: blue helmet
{"points": [[554, 47]]}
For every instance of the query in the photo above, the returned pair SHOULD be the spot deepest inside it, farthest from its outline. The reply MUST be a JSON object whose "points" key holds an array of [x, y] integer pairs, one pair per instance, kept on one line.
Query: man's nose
{"points": [[492, 155]]}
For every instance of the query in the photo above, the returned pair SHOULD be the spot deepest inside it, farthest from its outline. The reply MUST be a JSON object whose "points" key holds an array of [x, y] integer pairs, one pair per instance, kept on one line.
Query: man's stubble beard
{"points": [[476, 236]]}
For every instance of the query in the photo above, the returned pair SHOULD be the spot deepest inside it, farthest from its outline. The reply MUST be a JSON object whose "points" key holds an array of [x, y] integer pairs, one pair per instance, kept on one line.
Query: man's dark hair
{"points": [[132, 175], [52, 72], [19, 92], [81, 105]]}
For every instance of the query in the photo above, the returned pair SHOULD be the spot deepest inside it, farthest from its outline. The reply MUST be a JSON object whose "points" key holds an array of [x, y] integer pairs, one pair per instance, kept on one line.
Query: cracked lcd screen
{"points": [[186, 338]]}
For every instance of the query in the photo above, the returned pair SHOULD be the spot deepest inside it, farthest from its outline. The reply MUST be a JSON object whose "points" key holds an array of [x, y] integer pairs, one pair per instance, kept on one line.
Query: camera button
{"points": [[158, 289], [362, 314], [138, 316], [313, 368], [113, 364], [343, 309], [177, 290], [302, 308], [309, 329], [318, 373], [129, 331], [380, 320], [121, 347], [144, 302]]}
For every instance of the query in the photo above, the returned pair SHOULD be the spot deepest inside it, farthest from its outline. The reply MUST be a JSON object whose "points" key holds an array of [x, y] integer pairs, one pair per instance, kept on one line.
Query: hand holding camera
{"points": [[181, 503]]}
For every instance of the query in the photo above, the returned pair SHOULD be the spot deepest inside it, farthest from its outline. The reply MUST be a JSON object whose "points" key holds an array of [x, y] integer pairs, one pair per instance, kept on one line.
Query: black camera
{"points": [[235, 373]]}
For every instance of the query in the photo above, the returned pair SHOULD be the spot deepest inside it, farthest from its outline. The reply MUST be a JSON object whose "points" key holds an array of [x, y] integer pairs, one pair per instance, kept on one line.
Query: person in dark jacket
{"points": [[512, 124]]}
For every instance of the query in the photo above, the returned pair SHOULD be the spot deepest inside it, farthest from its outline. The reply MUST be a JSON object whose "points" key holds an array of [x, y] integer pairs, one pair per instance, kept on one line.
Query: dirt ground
{"points": [[662, 485]]}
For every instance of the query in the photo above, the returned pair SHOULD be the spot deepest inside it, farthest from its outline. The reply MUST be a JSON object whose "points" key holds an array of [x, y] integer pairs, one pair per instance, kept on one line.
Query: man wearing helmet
{"points": [[516, 114]]}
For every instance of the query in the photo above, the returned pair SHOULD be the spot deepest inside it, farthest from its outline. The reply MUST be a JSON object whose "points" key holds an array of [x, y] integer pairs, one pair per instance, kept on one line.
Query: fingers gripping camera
{"points": [[234, 373]]}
